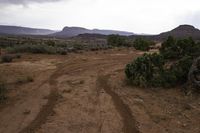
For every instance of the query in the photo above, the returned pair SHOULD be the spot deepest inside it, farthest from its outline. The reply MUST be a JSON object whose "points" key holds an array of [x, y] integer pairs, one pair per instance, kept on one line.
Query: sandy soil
{"points": [[88, 93]]}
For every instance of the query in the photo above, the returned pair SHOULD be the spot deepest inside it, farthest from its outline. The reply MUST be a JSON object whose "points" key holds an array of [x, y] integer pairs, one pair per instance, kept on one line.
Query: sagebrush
{"points": [[168, 68]]}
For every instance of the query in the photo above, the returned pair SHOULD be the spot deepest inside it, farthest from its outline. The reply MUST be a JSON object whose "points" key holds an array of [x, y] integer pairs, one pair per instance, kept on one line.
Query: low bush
{"points": [[142, 44], [181, 69], [2, 92], [155, 70], [149, 70], [36, 49], [116, 40], [145, 70], [63, 52], [78, 46], [6, 58], [51, 43], [169, 49], [18, 56], [176, 49]]}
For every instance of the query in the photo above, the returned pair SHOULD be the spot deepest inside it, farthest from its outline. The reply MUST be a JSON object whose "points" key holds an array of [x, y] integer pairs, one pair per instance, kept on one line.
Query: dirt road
{"points": [[87, 93]]}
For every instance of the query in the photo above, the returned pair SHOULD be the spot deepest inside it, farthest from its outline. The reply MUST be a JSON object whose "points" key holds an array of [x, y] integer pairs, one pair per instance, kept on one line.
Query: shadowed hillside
{"points": [[75, 31], [182, 31], [16, 30]]}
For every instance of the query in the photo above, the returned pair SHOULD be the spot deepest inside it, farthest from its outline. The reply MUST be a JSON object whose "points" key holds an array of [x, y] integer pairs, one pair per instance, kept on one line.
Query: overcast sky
{"points": [[138, 16]]}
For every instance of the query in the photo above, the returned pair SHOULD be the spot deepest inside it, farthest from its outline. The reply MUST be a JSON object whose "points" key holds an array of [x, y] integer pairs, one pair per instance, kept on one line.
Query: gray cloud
{"points": [[192, 18], [25, 2], [195, 19]]}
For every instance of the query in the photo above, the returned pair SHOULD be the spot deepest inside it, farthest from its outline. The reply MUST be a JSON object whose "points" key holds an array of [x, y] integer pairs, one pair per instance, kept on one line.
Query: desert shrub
{"points": [[78, 46], [116, 40], [198, 64], [176, 49], [155, 70], [2, 92], [142, 44], [169, 49], [6, 58], [149, 70], [51, 43], [145, 70], [169, 79], [181, 69], [36, 49], [63, 52], [18, 56], [195, 50]]}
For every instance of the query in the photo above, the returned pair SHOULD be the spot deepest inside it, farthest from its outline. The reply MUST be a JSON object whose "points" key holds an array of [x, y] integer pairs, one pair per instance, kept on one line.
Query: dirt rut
{"points": [[129, 123], [47, 110]]}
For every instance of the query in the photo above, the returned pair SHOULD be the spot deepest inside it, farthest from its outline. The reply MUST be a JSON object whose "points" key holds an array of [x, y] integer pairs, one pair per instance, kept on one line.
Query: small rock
{"points": [[82, 82], [26, 112], [178, 122], [139, 100], [67, 91], [184, 125], [77, 82], [84, 59], [187, 107]]}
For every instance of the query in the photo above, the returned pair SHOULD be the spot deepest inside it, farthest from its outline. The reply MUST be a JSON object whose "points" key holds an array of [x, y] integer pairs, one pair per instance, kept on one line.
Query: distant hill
{"points": [[182, 31], [17, 30], [75, 31]]}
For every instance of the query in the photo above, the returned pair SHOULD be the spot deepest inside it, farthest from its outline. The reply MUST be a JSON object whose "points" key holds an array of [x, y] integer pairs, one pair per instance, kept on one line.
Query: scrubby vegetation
{"points": [[2, 92], [168, 68], [142, 44], [37, 49], [6, 58], [138, 43], [51, 45], [116, 40], [176, 49], [145, 70]]}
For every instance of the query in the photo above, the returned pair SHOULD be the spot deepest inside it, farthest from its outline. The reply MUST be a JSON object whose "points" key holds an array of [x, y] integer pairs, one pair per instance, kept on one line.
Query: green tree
{"points": [[116, 40], [142, 44]]}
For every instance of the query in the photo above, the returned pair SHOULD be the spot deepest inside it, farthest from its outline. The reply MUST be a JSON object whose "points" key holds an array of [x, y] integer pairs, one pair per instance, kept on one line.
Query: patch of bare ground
{"points": [[70, 94], [25, 99], [129, 123], [46, 110], [159, 110]]}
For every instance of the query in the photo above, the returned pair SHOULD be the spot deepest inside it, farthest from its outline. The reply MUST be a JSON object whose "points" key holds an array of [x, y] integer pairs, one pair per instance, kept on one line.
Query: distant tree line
{"points": [[138, 43]]}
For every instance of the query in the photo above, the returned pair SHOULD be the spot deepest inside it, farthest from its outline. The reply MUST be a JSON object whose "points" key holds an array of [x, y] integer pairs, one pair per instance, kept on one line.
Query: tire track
{"points": [[129, 123], [69, 67], [47, 109]]}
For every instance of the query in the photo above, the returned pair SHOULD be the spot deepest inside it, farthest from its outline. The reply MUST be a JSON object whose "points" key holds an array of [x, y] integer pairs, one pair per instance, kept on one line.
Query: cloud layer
{"points": [[139, 16], [24, 2]]}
